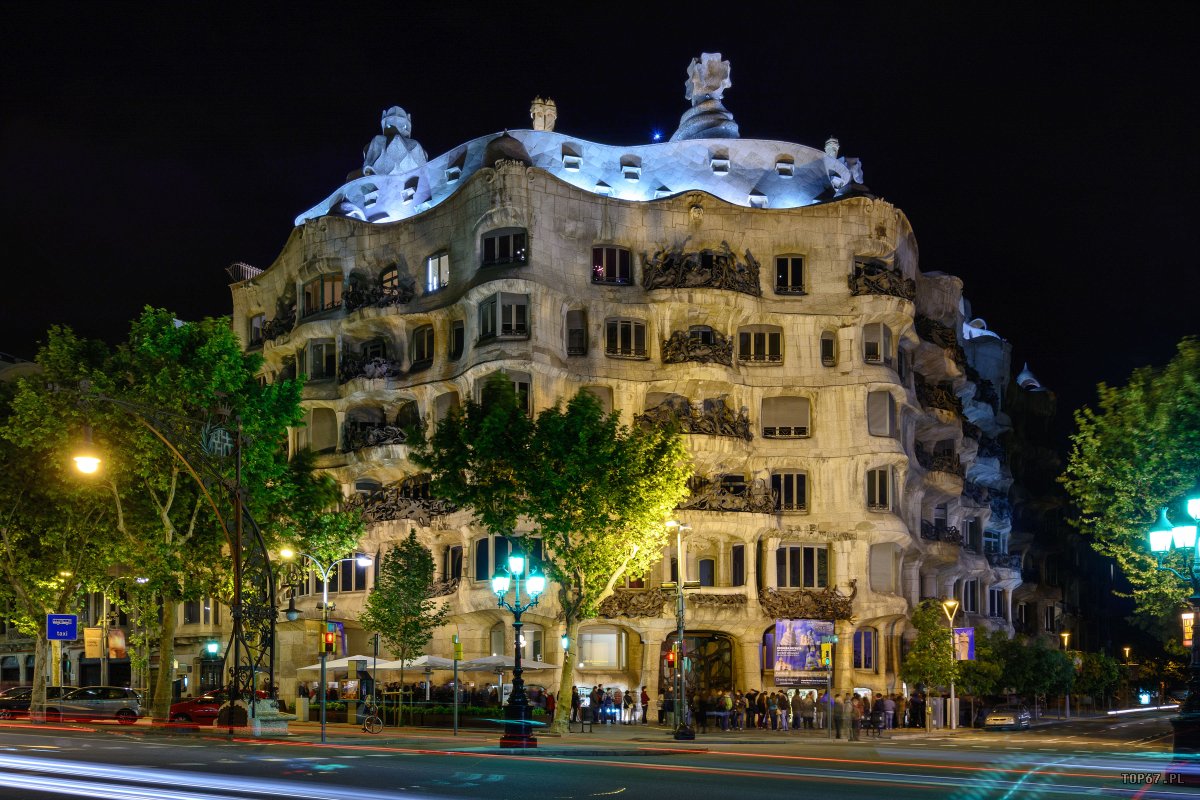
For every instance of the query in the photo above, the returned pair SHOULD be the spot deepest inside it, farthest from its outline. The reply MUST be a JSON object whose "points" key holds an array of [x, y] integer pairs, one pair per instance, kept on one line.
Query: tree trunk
{"points": [[566, 682], [164, 684], [37, 701]]}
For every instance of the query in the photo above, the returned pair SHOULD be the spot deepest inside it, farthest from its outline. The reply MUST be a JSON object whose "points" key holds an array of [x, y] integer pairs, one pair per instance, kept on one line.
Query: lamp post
{"points": [[683, 731], [1066, 640], [517, 720], [950, 607], [324, 572], [1164, 539]]}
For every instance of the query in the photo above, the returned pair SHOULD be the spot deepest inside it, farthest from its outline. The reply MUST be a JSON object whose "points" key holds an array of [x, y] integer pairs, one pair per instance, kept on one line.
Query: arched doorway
{"points": [[709, 663]]}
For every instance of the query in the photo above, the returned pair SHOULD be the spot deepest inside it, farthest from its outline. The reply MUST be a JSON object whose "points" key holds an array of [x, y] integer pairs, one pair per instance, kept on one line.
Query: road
{"points": [[1101, 757]]}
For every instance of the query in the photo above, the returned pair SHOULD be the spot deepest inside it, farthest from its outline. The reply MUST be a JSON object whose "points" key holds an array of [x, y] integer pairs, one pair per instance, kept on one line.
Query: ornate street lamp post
{"points": [[517, 719], [1165, 538], [950, 608], [683, 731], [324, 572]]}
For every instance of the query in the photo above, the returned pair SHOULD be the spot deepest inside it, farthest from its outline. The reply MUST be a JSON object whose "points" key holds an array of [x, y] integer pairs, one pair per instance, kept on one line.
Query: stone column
{"points": [[769, 567], [843, 652], [750, 673], [648, 675]]}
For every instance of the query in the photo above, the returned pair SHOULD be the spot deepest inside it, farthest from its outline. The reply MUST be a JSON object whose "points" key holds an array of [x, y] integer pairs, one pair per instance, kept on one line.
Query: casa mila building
{"points": [[842, 408]]}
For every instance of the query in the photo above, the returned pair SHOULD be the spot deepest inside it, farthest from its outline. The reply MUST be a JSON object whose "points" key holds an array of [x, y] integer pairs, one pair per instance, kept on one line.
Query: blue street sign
{"points": [[62, 627]]}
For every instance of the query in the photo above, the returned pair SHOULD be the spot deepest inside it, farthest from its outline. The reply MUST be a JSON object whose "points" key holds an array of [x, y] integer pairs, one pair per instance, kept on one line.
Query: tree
{"points": [[53, 532], [930, 658], [595, 492], [181, 378], [981, 676], [400, 607], [1139, 452], [1098, 676]]}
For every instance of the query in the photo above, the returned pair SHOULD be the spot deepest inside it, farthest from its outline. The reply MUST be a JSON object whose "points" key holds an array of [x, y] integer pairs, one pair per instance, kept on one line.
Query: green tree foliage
{"points": [[400, 607], [981, 676], [179, 380], [595, 492], [930, 659], [53, 529], [1098, 676], [1136, 453], [1033, 670]]}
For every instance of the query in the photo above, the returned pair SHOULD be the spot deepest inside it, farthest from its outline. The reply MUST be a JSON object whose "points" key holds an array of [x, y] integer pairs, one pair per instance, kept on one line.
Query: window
{"points": [[757, 199], [458, 339], [790, 490], [970, 598], [323, 294], [879, 489], [785, 417], [993, 542], [737, 565], [829, 348], [255, 329], [864, 648], [611, 265], [389, 281], [201, 612], [1049, 617], [625, 338], [491, 555], [353, 576], [802, 567], [505, 246], [376, 348], [437, 272], [452, 562], [785, 166], [974, 534], [996, 605], [877, 344], [604, 189], [602, 648], [504, 315], [322, 360], [367, 486], [422, 347], [789, 275], [521, 385], [760, 343], [881, 414], [708, 572], [701, 334], [577, 332], [884, 565], [191, 612]]}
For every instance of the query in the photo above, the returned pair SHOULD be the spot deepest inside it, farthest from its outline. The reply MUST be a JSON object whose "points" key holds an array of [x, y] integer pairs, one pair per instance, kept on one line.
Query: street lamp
{"points": [[683, 731], [1066, 640], [950, 607], [517, 718], [324, 572], [1164, 539]]}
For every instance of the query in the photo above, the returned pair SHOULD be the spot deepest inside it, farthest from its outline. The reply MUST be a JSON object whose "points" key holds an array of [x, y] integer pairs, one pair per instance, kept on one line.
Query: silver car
{"points": [[98, 702], [1011, 716]]}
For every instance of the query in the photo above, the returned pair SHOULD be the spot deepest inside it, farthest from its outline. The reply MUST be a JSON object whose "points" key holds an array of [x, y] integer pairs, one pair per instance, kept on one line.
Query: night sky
{"points": [[1046, 157]]}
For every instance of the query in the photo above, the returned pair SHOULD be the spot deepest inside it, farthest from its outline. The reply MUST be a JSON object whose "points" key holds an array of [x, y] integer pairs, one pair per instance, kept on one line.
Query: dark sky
{"points": [[1044, 155]]}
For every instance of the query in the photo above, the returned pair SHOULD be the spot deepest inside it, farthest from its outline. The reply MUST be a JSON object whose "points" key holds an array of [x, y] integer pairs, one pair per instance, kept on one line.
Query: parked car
{"points": [[14, 702], [98, 702], [1010, 716], [202, 709]]}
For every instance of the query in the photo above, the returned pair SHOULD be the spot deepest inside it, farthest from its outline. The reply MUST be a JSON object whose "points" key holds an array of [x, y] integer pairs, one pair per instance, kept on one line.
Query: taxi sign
{"points": [[62, 627]]}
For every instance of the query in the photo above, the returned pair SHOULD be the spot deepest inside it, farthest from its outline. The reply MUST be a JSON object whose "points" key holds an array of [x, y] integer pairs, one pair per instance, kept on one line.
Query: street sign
{"points": [[62, 627]]}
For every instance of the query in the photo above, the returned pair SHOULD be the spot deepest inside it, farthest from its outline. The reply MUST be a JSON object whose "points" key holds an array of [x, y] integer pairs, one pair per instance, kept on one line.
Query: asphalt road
{"points": [[1121, 757]]}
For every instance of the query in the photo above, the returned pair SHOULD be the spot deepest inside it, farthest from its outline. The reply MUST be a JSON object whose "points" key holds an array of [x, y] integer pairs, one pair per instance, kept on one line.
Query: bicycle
{"points": [[371, 721]]}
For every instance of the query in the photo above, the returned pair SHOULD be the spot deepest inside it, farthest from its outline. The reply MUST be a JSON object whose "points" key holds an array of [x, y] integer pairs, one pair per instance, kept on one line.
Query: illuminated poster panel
{"points": [[798, 651], [964, 644]]}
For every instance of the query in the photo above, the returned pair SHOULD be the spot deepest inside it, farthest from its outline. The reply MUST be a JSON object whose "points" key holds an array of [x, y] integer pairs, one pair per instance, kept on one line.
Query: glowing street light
{"points": [[517, 717], [950, 608]]}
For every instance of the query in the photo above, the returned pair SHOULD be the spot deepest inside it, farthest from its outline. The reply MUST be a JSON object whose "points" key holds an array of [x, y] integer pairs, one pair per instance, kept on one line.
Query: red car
{"points": [[202, 709]]}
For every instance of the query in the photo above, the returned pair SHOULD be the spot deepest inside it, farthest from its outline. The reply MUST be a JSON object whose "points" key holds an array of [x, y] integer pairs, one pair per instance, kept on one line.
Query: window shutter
{"points": [[882, 574], [880, 413]]}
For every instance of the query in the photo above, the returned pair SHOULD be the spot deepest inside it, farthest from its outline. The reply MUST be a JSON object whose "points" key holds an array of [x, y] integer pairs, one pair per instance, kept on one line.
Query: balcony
{"points": [[377, 296], [408, 499], [880, 279], [785, 432], [712, 348], [724, 495], [283, 323], [948, 462], [939, 532], [939, 397], [352, 367], [358, 435], [942, 336]]}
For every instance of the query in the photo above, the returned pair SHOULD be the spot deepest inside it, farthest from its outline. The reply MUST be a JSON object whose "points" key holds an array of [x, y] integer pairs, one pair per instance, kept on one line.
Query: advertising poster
{"points": [[91, 642], [116, 643], [798, 651], [964, 644]]}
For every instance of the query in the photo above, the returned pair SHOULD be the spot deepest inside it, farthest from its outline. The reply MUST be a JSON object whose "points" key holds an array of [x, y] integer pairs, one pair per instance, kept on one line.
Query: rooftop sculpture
{"points": [[708, 78], [393, 151]]}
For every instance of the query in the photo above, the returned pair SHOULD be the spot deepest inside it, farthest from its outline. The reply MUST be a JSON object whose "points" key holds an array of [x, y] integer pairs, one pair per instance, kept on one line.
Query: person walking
{"points": [[838, 715]]}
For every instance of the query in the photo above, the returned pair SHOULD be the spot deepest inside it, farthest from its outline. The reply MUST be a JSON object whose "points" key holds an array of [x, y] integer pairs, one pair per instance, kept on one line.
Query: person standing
{"points": [[877, 716], [838, 715], [808, 709], [751, 709], [856, 715], [785, 713], [574, 704], [889, 712], [823, 710], [797, 708], [645, 701]]}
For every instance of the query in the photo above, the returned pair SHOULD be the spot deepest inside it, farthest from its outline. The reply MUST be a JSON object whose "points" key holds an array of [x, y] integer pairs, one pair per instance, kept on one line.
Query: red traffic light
{"points": [[329, 641], [670, 658]]}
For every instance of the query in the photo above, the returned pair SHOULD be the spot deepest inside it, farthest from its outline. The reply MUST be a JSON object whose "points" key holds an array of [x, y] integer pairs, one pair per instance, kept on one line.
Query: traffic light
{"points": [[671, 658], [329, 641], [827, 655]]}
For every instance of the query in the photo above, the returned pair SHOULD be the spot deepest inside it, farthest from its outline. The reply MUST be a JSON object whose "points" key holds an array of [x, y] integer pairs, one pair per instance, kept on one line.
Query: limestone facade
{"points": [[844, 445]]}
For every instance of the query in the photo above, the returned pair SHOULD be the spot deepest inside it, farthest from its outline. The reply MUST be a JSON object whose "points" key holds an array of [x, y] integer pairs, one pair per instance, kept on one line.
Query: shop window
{"points": [[602, 648]]}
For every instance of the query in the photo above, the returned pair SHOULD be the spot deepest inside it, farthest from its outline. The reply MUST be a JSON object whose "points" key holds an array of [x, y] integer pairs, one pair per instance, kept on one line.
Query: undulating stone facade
{"points": [[841, 409]]}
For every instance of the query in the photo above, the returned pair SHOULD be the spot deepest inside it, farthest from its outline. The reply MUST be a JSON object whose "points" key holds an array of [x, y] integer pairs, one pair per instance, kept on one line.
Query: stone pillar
{"points": [[648, 675], [843, 652], [769, 567], [666, 565], [750, 669], [1008, 598]]}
